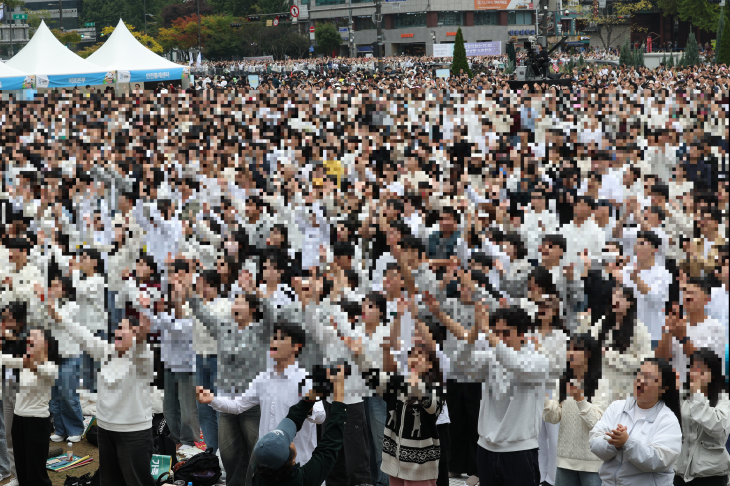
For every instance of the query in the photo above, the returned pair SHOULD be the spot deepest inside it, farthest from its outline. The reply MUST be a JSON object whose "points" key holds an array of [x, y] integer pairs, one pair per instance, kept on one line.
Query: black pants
{"points": [[353, 461], [709, 481], [30, 444], [520, 468], [445, 440], [124, 458], [463, 400]]}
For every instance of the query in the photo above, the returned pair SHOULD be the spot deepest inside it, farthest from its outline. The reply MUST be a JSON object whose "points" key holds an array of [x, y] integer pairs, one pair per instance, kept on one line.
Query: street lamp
{"points": [[145, 18]]}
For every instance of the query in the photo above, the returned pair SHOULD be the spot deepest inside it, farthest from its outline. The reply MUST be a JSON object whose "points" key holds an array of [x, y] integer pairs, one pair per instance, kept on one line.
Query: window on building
{"points": [[517, 17], [486, 18], [449, 18], [364, 22], [305, 2], [329, 2], [409, 20]]}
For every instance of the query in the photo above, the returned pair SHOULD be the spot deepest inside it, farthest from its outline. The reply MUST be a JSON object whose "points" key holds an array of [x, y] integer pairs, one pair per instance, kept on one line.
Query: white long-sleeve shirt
{"points": [[35, 387], [650, 306], [276, 392], [177, 339], [124, 402]]}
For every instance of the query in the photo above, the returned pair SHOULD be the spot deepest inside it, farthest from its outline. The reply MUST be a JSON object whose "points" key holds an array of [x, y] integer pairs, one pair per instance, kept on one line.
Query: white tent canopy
{"points": [[11, 78], [53, 64], [134, 62]]}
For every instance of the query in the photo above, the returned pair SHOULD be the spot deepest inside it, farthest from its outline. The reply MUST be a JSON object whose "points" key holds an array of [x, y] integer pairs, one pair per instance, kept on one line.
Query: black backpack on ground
{"points": [[161, 443], [202, 469], [92, 435]]}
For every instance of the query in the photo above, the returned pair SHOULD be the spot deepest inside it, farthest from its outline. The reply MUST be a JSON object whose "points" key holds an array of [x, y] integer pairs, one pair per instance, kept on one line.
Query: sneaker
{"points": [[57, 438], [13, 482], [74, 438]]}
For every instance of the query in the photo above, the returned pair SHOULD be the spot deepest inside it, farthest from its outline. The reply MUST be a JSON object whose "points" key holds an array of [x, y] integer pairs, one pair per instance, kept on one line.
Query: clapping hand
{"points": [[618, 436]]}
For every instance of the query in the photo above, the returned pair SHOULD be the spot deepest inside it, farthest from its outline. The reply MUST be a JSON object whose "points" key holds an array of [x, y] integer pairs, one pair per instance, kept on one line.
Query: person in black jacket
{"points": [[274, 457]]}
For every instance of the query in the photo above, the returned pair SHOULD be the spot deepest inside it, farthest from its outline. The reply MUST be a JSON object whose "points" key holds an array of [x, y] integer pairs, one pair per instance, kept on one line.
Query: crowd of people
{"points": [[379, 286], [411, 73]]}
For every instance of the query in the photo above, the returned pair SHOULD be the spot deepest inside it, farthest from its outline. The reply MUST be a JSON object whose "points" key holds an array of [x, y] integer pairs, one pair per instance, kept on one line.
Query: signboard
{"points": [[443, 73], [303, 11], [449, 34], [344, 33], [89, 24], [311, 29], [503, 5], [294, 11], [276, 22], [311, 36], [311, 48], [406, 35], [253, 80], [472, 49], [20, 16], [269, 23], [391, 1]]}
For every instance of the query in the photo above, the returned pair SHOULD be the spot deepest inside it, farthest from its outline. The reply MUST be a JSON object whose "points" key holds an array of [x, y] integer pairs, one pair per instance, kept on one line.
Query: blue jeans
{"points": [[181, 407], [4, 460], [377, 411], [568, 477], [65, 405], [115, 314], [206, 371]]}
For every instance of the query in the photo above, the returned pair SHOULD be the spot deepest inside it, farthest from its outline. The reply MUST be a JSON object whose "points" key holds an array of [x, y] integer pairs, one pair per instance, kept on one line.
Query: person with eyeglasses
{"points": [[639, 439]]}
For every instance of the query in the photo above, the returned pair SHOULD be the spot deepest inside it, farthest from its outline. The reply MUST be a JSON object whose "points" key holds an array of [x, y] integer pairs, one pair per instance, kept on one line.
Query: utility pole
{"points": [[60, 14], [381, 44], [145, 17], [199, 50], [350, 32]]}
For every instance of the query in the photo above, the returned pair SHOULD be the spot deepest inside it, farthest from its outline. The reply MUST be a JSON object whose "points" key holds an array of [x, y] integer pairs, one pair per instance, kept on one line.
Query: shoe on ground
{"points": [[74, 438], [57, 438], [13, 482]]}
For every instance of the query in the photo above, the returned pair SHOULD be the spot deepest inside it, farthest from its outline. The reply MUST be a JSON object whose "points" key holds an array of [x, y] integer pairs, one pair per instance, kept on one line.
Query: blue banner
{"points": [[70, 80], [156, 75], [13, 83]]}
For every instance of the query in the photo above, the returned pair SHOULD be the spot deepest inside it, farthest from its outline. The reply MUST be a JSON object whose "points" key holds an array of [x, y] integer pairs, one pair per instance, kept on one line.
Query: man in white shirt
{"points": [[681, 337], [582, 235], [275, 390], [650, 281]]}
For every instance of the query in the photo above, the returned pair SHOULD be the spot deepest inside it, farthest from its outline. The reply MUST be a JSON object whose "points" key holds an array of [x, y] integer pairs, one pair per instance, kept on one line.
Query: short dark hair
{"points": [[212, 278], [343, 248], [702, 283], [651, 237], [413, 243], [453, 212], [661, 189], [556, 240], [297, 334], [515, 317]]}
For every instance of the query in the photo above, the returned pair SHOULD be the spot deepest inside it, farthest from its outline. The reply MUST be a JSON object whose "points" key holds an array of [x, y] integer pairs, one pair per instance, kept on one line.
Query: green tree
{"points": [[610, 21], [718, 35], [328, 38], [35, 17], [670, 63], [664, 60], [723, 49], [459, 62], [692, 51], [625, 58], [700, 13], [639, 57]]}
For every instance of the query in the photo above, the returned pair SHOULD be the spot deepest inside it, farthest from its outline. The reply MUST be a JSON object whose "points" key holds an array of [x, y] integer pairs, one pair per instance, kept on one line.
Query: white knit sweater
{"points": [[576, 421]]}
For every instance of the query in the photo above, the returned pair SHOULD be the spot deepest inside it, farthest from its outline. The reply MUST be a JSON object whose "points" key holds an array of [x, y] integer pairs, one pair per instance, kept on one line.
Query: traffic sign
{"points": [[20, 16], [89, 24], [276, 22], [311, 29], [294, 11], [311, 49]]}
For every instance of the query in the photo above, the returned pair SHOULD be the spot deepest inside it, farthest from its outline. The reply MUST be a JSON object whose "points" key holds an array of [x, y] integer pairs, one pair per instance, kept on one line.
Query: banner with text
{"points": [[472, 49], [503, 5]]}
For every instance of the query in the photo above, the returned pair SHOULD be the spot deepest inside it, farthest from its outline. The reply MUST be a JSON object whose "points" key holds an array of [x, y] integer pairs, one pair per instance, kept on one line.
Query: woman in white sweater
{"points": [[625, 342], [583, 396], [31, 418], [124, 407]]}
